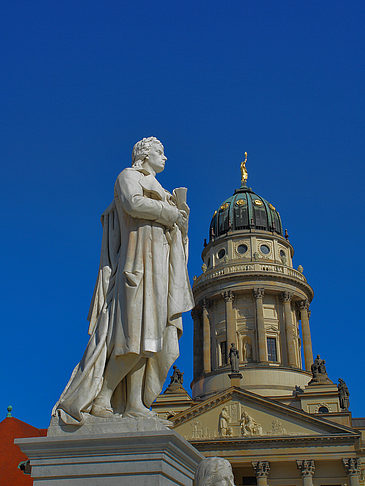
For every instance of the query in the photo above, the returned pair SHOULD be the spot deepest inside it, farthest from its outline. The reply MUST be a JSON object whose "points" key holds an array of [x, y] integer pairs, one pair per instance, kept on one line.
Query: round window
{"points": [[221, 253], [242, 249], [323, 410], [265, 249]]}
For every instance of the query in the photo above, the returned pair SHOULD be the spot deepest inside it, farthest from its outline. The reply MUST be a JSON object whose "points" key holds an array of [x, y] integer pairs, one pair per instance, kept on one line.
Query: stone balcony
{"points": [[230, 268]]}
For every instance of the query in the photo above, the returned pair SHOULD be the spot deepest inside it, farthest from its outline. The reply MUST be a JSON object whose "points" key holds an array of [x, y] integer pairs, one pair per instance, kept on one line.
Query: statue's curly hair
{"points": [[142, 149], [211, 467]]}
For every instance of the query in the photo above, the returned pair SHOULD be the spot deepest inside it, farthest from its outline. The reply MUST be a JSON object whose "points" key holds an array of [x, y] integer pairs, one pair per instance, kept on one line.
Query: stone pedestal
{"points": [[87, 457]]}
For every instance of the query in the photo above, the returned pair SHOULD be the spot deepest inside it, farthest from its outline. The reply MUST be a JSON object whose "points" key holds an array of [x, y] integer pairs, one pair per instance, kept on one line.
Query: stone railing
{"points": [[252, 267]]}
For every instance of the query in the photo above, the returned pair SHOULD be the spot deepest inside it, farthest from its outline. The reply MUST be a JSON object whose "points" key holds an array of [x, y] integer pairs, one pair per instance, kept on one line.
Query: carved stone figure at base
{"points": [[234, 359], [140, 294], [214, 471]]}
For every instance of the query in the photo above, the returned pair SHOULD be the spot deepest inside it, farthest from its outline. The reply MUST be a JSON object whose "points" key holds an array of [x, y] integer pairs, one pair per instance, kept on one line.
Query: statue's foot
{"points": [[139, 412], [101, 411]]}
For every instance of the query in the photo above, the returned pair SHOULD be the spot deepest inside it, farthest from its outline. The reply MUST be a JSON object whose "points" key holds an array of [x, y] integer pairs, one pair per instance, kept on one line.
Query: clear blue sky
{"points": [[82, 81]]}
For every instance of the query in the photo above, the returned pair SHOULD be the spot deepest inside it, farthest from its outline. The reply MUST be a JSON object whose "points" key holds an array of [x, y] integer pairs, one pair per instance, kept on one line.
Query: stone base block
{"points": [[152, 458]]}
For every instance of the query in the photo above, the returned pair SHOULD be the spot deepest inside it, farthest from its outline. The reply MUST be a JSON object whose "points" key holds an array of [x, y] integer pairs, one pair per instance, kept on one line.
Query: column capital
{"points": [[262, 468], [205, 304], [258, 293], [352, 466], [228, 295], [303, 304], [306, 467], [286, 296]]}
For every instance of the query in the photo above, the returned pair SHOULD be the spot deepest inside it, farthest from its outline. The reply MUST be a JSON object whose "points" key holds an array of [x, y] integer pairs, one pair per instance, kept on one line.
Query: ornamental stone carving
{"points": [[262, 468], [258, 293], [352, 466], [286, 296], [223, 422], [319, 372], [228, 296], [306, 467], [344, 394], [303, 304], [234, 359], [277, 428], [249, 426]]}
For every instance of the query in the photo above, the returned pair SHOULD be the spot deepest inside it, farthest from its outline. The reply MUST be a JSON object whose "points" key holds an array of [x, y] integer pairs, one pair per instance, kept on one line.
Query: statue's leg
{"points": [[135, 405], [117, 368]]}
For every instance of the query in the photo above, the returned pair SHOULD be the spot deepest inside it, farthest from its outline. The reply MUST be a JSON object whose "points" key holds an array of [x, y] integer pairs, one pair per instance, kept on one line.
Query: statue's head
{"points": [[149, 153], [214, 471]]}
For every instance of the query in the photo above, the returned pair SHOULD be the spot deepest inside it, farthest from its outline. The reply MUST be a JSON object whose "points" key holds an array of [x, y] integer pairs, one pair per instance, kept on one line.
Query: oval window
{"points": [[221, 253], [242, 248], [282, 253], [265, 249]]}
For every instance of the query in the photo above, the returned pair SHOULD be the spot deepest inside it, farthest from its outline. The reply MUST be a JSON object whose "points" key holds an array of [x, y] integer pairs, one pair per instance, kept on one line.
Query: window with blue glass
{"points": [[271, 349]]}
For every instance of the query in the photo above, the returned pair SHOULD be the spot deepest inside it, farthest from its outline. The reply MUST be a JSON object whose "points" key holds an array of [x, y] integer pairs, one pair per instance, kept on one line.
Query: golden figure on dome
{"points": [[244, 173]]}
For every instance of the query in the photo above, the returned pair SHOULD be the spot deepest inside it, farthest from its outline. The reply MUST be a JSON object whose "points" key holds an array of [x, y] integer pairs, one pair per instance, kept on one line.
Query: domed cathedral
{"points": [[250, 295], [259, 399]]}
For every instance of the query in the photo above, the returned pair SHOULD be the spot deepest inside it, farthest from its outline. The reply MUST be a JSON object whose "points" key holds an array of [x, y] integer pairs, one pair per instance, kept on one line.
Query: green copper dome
{"points": [[245, 210]]}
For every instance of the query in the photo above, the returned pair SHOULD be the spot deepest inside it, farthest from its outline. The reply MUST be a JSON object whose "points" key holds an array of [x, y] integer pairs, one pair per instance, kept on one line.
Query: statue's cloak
{"points": [[141, 291]]}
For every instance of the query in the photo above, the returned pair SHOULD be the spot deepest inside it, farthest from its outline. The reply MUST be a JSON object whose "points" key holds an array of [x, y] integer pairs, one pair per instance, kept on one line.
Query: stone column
{"points": [[352, 467], [307, 469], [262, 469], [206, 339], [289, 329], [198, 342], [230, 320], [306, 334], [261, 335]]}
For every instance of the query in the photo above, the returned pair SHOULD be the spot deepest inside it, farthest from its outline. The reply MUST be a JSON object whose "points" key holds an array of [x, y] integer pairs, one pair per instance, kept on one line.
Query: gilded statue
{"points": [[244, 173]]}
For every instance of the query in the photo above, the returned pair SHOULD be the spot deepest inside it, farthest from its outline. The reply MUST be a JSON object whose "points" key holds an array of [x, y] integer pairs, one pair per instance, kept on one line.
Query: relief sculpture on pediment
{"points": [[277, 428], [249, 426]]}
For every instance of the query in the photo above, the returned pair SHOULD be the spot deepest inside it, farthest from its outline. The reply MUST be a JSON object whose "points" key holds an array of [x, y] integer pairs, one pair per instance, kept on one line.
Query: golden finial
{"points": [[244, 173]]}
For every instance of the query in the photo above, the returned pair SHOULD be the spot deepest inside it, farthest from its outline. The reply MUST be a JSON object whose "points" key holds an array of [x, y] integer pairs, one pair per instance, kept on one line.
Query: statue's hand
{"points": [[182, 222]]}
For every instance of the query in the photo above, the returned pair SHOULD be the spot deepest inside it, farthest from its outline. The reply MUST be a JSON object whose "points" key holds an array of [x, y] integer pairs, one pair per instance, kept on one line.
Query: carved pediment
{"points": [[245, 415]]}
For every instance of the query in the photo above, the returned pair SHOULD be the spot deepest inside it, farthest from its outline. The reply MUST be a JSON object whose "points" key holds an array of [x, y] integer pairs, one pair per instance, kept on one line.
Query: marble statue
{"points": [[234, 359], [141, 291], [344, 394], [214, 471]]}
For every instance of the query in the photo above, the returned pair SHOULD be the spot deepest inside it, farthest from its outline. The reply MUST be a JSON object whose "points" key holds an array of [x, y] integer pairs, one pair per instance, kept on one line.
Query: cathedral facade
{"points": [[259, 398]]}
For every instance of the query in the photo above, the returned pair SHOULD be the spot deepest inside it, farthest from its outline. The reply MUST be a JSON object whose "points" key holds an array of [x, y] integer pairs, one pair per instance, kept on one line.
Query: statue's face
{"points": [[156, 158], [224, 478]]}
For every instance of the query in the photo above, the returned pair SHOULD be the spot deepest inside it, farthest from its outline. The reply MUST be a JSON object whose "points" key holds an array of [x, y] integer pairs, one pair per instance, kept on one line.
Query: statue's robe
{"points": [[141, 291]]}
